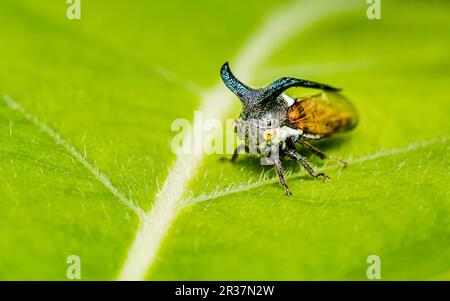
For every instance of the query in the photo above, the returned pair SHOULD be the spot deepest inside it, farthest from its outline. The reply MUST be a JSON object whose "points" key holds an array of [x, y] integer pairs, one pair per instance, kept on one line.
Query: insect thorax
{"points": [[257, 122]]}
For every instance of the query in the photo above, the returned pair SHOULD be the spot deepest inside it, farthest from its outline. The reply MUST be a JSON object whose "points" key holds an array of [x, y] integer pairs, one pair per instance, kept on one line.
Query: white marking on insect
{"points": [[282, 133], [311, 136], [289, 100]]}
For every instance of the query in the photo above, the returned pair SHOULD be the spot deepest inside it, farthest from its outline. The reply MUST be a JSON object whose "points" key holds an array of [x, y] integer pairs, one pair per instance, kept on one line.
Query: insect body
{"points": [[271, 123]]}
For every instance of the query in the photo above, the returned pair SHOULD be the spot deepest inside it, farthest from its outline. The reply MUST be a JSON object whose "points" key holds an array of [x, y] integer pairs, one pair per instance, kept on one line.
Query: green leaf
{"points": [[392, 200], [85, 133]]}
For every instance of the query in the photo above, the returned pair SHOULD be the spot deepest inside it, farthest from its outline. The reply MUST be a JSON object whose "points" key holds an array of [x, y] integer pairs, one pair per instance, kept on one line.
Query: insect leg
{"points": [[294, 155], [238, 149], [277, 163], [320, 153]]}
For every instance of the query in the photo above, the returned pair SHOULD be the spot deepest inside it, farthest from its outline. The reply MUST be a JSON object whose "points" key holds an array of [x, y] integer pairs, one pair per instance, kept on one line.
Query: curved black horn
{"points": [[279, 86], [250, 96], [245, 94]]}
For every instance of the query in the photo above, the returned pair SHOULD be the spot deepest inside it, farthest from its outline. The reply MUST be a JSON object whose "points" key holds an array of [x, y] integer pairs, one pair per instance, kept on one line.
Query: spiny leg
{"points": [[320, 153], [238, 149], [294, 155], [277, 163]]}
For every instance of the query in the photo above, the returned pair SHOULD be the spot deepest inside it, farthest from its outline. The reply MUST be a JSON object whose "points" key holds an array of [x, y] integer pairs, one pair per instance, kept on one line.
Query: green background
{"points": [[112, 83]]}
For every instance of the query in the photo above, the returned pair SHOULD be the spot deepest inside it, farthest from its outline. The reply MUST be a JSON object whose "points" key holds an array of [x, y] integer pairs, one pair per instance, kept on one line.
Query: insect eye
{"points": [[270, 123], [269, 134]]}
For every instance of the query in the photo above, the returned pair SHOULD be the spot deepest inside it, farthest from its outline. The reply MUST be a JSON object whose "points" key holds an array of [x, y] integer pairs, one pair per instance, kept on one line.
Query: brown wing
{"points": [[322, 115]]}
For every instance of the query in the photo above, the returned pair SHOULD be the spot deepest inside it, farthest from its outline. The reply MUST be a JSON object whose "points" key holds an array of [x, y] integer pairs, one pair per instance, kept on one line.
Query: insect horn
{"points": [[273, 90], [250, 96], [247, 95]]}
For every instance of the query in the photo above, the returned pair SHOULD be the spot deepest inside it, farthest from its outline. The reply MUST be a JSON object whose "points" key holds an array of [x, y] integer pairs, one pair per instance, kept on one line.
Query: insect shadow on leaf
{"points": [[273, 124]]}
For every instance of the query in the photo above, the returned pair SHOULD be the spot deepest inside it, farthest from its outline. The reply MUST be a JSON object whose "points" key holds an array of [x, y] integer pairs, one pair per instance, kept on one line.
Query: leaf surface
{"points": [[99, 96]]}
